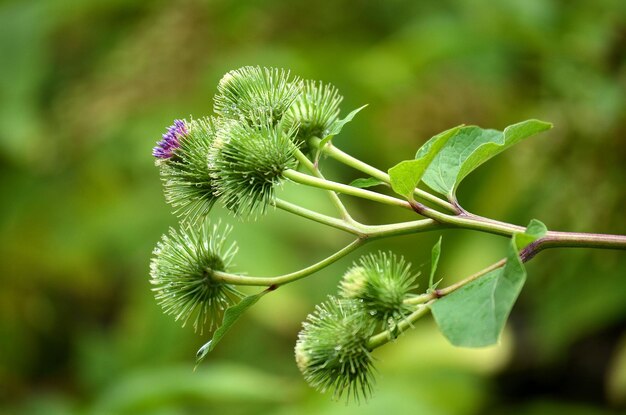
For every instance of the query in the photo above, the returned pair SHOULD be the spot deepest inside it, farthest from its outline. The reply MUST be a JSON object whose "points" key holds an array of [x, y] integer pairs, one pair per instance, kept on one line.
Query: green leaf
{"points": [[231, 315], [535, 230], [366, 182], [475, 314], [406, 175], [469, 148], [338, 125], [435, 253], [335, 129]]}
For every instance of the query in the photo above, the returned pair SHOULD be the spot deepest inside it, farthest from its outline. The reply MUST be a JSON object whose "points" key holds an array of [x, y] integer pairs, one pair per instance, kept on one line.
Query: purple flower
{"points": [[170, 142]]}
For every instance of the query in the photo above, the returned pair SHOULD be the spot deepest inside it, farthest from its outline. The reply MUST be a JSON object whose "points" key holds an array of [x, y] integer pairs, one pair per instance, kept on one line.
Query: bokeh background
{"points": [[88, 87]]}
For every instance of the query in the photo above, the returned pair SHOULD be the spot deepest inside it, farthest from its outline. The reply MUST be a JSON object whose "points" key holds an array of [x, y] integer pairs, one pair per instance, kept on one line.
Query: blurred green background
{"points": [[88, 87]]}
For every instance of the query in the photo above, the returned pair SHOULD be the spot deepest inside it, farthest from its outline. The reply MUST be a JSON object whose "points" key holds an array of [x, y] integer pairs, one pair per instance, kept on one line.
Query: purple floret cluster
{"points": [[170, 142]]}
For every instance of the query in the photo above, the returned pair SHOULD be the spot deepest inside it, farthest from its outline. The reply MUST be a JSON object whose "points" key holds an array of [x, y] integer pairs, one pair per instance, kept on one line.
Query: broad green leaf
{"points": [[366, 182], [469, 148], [405, 175], [337, 126], [535, 230], [435, 253], [474, 315], [231, 315]]}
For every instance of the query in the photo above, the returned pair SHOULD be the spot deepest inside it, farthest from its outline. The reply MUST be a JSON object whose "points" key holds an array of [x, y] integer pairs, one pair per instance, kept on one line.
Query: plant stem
{"points": [[583, 240], [403, 325], [468, 221], [317, 173], [343, 188], [359, 165], [463, 220], [224, 277], [317, 217], [552, 239], [363, 231], [402, 228]]}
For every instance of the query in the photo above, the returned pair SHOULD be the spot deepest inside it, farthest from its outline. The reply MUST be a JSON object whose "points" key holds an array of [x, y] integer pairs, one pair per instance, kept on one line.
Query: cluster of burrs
{"points": [[238, 156], [265, 123], [333, 349]]}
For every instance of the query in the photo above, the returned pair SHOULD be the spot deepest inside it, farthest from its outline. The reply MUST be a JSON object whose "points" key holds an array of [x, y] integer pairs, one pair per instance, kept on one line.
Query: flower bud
{"points": [[315, 110], [170, 140], [381, 283], [181, 271], [187, 181], [248, 163], [256, 95], [331, 351]]}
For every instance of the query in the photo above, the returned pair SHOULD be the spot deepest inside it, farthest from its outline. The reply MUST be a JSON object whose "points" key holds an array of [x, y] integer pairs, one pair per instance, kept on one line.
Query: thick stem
{"points": [[468, 221], [224, 277], [554, 239]]}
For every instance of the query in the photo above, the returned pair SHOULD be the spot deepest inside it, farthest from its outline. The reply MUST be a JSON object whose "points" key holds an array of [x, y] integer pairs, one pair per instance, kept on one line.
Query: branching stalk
{"points": [[363, 167], [235, 279], [343, 211], [344, 188], [550, 240], [316, 217]]}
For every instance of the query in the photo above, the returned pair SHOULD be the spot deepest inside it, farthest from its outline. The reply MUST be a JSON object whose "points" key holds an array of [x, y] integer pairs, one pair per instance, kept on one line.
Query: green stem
{"points": [[317, 173], [224, 277], [343, 188], [359, 165], [397, 229], [552, 239], [405, 324], [468, 221], [363, 231], [317, 217]]}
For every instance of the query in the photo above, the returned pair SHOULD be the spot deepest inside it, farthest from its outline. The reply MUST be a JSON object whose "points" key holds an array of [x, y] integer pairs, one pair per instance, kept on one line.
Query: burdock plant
{"points": [[247, 163], [182, 273], [182, 158], [382, 284], [270, 127]]}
